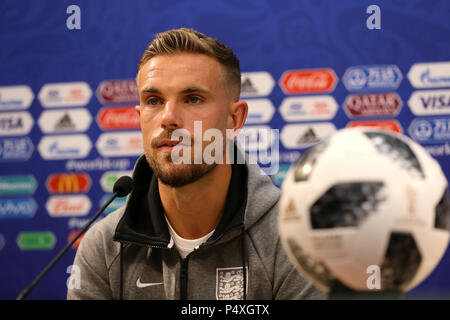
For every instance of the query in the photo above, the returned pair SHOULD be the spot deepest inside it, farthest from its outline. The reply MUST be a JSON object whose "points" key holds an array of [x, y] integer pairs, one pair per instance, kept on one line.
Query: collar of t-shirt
{"points": [[185, 246]]}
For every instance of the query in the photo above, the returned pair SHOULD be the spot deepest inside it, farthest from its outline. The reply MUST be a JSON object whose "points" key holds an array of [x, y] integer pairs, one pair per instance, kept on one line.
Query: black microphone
{"points": [[122, 187]]}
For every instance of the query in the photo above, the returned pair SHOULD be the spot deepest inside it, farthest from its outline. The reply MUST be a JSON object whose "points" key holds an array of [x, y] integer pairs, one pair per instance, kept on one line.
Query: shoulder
{"points": [[98, 240]]}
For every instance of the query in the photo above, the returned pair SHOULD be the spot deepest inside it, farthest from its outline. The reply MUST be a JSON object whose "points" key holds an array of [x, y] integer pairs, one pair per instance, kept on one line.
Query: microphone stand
{"points": [[25, 292]]}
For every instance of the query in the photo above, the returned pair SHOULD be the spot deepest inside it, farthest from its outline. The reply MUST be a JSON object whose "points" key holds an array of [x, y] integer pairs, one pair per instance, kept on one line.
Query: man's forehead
{"points": [[190, 66]]}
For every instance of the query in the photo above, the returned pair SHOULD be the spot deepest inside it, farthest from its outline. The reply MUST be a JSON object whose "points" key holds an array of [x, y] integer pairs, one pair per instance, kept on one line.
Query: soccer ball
{"points": [[365, 204]]}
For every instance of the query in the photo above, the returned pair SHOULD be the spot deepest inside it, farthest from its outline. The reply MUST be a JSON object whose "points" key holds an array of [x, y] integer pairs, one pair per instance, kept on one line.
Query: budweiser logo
{"points": [[66, 206], [308, 81], [118, 118]]}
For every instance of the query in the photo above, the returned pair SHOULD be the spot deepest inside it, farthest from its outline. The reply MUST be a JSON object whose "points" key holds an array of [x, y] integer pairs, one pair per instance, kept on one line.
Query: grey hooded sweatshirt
{"points": [[130, 254]]}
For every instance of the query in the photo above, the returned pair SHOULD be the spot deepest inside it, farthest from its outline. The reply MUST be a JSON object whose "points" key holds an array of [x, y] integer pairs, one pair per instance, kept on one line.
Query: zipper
{"points": [[142, 245], [184, 277]]}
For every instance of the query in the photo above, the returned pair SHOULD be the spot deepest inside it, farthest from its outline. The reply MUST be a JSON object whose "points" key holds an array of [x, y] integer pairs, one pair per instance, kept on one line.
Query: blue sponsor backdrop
{"points": [[271, 36]]}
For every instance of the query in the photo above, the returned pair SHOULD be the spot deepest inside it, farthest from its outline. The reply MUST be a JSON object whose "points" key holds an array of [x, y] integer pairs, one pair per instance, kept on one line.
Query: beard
{"points": [[169, 173]]}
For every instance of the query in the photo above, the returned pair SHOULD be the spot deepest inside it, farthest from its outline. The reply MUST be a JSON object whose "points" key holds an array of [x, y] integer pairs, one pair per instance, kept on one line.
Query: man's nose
{"points": [[171, 117]]}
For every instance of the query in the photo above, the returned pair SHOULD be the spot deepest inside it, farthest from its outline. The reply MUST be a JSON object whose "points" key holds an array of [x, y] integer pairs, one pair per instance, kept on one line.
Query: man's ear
{"points": [[138, 109], [237, 115]]}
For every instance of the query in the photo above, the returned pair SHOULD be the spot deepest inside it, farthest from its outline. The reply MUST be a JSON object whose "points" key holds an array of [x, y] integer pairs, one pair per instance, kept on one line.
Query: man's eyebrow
{"points": [[150, 90], [195, 89], [184, 91]]}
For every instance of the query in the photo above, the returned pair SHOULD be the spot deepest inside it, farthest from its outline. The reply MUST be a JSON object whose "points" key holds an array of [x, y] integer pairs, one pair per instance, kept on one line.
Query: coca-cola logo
{"points": [[390, 125], [118, 91], [308, 81], [118, 118]]}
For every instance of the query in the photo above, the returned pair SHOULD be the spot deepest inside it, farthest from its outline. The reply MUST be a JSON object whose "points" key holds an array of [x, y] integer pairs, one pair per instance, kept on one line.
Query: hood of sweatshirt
{"points": [[143, 222]]}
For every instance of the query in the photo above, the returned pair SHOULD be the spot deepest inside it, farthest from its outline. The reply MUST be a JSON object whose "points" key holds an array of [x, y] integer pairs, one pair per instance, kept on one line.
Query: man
{"points": [[190, 229]]}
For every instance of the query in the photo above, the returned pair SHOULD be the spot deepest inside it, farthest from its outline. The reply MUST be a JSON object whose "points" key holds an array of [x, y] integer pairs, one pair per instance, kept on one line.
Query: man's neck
{"points": [[195, 210]]}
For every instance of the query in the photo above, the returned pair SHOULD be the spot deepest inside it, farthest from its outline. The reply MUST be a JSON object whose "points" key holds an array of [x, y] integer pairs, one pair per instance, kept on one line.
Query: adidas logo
{"points": [[308, 137], [291, 211], [65, 123], [247, 86]]}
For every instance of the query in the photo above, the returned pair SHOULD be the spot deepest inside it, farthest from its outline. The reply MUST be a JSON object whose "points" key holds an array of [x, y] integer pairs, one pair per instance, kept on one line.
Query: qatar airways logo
{"points": [[260, 142]]}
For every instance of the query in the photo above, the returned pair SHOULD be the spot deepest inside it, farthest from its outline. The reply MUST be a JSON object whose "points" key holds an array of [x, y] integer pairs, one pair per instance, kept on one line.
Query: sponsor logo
{"points": [[430, 102], [256, 84], [17, 208], [430, 130], [2, 242], [430, 75], [118, 118], [390, 125], [64, 147], [140, 284], [68, 206], [36, 240], [17, 185], [308, 108], [69, 94], [71, 120], [68, 183], [230, 283], [109, 178], [15, 149], [15, 97], [72, 235], [296, 136], [372, 105], [291, 213], [116, 204], [259, 111], [120, 144], [15, 123], [375, 77], [308, 81], [117, 91]]}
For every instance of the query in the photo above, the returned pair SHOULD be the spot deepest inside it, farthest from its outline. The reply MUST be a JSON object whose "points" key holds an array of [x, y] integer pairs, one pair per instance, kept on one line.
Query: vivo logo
{"points": [[17, 208]]}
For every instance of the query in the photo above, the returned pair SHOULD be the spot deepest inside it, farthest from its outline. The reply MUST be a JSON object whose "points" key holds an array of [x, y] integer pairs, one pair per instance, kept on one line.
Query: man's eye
{"points": [[153, 101], [193, 100]]}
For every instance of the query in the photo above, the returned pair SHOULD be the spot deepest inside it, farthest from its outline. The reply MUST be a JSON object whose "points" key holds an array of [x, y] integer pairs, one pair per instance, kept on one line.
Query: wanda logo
{"points": [[308, 81], [118, 118]]}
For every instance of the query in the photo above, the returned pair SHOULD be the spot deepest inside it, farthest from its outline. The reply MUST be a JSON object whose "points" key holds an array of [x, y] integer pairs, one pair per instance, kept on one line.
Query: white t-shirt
{"points": [[186, 246]]}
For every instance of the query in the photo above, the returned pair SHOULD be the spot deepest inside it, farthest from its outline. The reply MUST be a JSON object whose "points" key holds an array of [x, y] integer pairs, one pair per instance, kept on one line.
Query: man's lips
{"points": [[168, 143]]}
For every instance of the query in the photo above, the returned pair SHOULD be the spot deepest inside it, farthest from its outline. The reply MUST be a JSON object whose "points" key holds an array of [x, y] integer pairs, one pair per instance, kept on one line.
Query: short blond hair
{"points": [[191, 41]]}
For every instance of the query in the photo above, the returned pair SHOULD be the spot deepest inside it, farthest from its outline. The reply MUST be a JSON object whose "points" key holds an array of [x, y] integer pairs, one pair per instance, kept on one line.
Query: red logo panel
{"points": [[390, 125], [72, 235], [118, 118], [308, 81], [68, 183]]}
